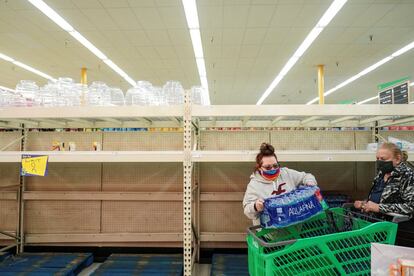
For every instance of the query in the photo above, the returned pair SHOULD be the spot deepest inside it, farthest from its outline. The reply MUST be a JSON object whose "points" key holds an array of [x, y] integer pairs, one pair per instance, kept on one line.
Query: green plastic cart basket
{"points": [[336, 242]]}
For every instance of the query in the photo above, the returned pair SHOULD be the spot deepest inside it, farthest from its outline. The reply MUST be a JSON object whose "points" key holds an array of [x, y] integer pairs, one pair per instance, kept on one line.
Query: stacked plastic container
{"points": [[65, 92]]}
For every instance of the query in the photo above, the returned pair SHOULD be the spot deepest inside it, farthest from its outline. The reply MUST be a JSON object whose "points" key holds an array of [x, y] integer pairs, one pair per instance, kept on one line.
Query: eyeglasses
{"points": [[269, 167]]}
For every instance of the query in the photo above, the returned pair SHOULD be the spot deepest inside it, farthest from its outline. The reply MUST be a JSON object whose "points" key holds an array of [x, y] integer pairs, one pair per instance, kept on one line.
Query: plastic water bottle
{"points": [[99, 94], [28, 90], [174, 92], [141, 94], [117, 97]]}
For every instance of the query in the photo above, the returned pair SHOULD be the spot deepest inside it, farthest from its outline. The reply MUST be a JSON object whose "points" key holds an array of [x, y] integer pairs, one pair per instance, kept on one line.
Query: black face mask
{"points": [[385, 166]]}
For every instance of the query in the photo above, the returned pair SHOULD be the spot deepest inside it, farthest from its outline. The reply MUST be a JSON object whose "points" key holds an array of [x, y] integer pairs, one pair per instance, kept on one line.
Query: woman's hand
{"points": [[358, 204], [259, 205], [370, 207], [310, 183]]}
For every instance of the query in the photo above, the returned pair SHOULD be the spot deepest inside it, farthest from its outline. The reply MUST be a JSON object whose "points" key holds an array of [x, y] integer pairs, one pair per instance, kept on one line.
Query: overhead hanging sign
{"points": [[397, 93], [34, 165], [401, 94], [385, 97]]}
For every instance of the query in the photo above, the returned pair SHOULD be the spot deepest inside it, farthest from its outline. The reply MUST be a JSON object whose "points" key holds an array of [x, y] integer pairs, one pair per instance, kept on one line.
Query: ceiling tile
{"points": [[235, 2], [210, 17], [148, 52], [100, 18], [159, 37], [179, 37], [371, 15], [184, 52], [124, 18], [15, 5], [233, 36], [254, 35], [400, 16], [166, 52], [235, 16], [114, 4], [161, 3], [249, 51], [149, 18], [141, 3], [231, 51], [204, 3], [137, 37], [77, 19], [285, 15], [260, 16], [87, 4], [59, 4], [173, 17]]}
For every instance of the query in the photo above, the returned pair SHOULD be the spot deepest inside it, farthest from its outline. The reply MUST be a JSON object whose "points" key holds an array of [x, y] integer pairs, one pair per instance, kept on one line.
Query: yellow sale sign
{"points": [[34, 165]]}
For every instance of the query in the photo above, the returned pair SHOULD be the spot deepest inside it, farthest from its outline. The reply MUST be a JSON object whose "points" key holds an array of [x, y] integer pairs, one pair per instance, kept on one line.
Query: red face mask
{"points": [[270, 175]]}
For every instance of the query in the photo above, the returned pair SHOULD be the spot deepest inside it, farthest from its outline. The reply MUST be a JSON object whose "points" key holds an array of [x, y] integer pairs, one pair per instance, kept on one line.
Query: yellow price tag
{"points": [[34, 165]]}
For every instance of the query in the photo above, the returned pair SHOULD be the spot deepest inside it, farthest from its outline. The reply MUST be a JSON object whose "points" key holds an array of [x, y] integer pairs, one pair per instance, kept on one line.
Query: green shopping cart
{"points": [[335, 242]]}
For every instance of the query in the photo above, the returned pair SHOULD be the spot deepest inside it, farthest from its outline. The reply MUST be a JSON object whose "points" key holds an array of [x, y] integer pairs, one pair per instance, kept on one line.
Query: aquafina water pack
{"points": [[293, 207]]}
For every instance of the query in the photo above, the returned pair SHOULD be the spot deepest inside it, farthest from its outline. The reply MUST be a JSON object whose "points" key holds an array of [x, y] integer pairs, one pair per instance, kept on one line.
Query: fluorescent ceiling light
{"points": [[6, 88], [204, 82], [190, 9], [204, 86], [368, 100], [374, 66], [88, 45], [366, 71], [6, 58], [403, 50], [201, 67], [412, 84], [329, 14], [308, 41], [49, 12], [25, 66], [196, 41], [288, 65], [55, 17], [191, 15], [120, 72], [33, 70]]}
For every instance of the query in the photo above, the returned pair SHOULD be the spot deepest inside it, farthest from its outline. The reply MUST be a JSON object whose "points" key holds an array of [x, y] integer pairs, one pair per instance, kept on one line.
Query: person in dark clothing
{"points": [[393, 189]]}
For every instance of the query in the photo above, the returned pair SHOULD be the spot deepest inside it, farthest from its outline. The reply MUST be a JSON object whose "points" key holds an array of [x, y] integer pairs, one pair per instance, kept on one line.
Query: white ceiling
{"points": [[246, 43]]}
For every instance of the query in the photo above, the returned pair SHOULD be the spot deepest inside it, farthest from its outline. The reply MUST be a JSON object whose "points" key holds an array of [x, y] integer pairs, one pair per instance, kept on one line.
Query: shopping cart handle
{"points": [[397, 218], [347, 205], [394, 217], [252, 231]]}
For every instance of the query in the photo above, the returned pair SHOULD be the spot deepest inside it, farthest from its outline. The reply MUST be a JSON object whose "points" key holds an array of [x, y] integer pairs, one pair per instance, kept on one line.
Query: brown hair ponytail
{"points": [[265, 150]]}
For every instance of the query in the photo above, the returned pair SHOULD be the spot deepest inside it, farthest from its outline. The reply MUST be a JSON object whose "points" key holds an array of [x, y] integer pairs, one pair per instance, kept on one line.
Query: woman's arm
{"points": [[301, 178], [249, 200], [406, 207]]}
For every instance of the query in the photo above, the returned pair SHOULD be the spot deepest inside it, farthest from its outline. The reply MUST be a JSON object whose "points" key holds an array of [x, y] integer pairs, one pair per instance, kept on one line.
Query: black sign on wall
{"points": [[401, 94], [385, 97], [398, 94]]}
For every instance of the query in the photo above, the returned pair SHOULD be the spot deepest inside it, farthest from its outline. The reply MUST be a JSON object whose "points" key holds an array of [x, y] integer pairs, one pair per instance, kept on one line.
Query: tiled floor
{"points": [[199, 269], [87, 271]]}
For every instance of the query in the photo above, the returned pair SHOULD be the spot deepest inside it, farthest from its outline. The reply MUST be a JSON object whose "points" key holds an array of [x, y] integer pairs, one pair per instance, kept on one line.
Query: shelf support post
{"points": [[84, 76], [187, 189], [20, 200], [321, 83]]}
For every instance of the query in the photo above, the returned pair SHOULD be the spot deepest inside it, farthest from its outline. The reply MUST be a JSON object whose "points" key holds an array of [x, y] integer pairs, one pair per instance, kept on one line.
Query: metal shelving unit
{"points": [[303, 117], [289, 156], [97, 156], [192, 118]]}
